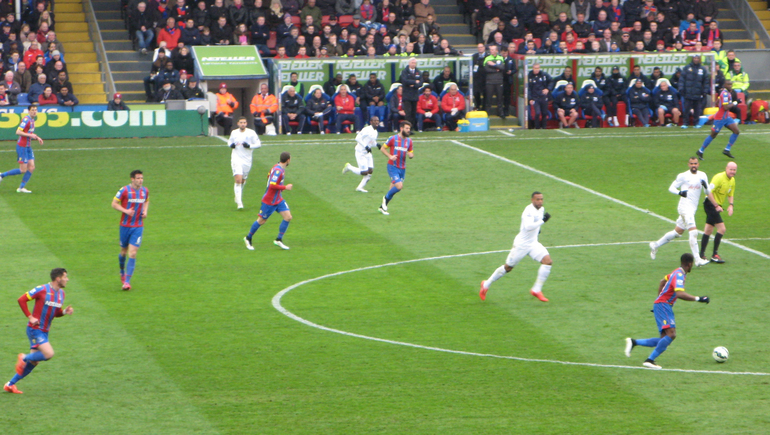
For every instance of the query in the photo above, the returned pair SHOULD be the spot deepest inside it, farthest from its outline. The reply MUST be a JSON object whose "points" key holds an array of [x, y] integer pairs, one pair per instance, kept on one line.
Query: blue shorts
{"points": [[664, 316], [131, 235], [36, 337], [396, 175], [718, 124], [25, 154], [266, 210]]}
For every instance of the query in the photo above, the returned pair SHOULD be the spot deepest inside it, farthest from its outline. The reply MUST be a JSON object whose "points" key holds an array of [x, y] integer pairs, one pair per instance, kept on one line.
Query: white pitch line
{"points": [[564, 132], [277, 305], [751, 238], [506, 133], [594, 192]]}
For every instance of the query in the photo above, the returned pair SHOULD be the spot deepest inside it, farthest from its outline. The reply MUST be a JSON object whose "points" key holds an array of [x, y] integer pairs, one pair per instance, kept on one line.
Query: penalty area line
{"points": [[276, 301], [564, 132], [594, 192]]}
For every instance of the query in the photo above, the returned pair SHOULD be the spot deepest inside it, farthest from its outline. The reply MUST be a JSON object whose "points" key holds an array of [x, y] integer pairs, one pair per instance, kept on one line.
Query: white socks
{"points": [[694, 244], [364, 180], [238, 189], [669, 236], [497, 274], [542, 275]]}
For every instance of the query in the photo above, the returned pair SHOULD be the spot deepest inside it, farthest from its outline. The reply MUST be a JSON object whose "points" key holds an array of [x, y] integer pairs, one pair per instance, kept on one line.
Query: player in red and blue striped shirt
{"points": [[273, 201], [397, 148], [133, 201], [723, 119], [26, 158], [49, 300], [670, 289]]}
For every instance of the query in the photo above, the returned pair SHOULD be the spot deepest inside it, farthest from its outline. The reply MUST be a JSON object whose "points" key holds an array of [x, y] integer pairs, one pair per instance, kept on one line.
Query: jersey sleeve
{"points": [[678, 281], [121, 193], [726, 99], [705, 181], [232, 138], [674, 188], [254, 140], [36, 293], [391, 143], [24, 123], [275, 177], [410, 149]]}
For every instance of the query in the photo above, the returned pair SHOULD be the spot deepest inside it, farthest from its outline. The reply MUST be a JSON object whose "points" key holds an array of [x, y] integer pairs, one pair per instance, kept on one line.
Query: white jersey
{"points": [[693, 184], [240, 153], [531, 221], [367, 137]]}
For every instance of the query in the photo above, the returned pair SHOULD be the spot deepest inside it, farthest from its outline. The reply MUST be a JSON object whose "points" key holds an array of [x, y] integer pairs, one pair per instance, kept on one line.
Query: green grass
{"points": [[197, 346]]}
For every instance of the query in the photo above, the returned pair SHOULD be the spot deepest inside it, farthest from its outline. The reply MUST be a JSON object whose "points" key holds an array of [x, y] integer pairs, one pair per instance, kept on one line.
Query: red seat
{"points": [[324, 20], [345, 20], [537, 42], [271, 43], [295, 20]]}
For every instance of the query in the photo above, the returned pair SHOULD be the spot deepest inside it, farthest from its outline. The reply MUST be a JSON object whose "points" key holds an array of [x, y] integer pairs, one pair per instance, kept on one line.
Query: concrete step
{"points": [[78, 47], [129, 65], [133, 96], [93, 88], [110, 14], [72, 27], [130, 86], [68, 2], [70, 17], [68, 7], [758, 6], [118, 45], [70, 37], [80, 57], [85, 77], [763, 15], [125, 55], [83, 67], [100, 98], [443, 19], [111, 25]]}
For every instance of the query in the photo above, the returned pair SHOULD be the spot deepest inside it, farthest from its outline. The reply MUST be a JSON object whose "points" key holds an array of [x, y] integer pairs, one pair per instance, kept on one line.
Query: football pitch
{"points": [[372, 324]]}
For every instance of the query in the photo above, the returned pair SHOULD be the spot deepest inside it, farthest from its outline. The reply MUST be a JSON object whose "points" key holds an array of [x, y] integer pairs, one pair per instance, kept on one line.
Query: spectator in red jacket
{"points": [[47, 97], [453, 105], [30, 56], [346, 108], [171, 33], [428, 108]]}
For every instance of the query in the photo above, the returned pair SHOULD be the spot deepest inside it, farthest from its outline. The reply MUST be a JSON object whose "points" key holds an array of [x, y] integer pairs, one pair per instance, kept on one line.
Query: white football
{"points": [[720, 354]]}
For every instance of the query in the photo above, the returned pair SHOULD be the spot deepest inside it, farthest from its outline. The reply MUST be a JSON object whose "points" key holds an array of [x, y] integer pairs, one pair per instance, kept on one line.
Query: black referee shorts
{"points": [[713, 217]]}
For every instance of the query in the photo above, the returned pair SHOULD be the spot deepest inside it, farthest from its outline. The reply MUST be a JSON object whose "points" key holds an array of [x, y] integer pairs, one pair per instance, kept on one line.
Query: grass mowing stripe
{"points": [[92, 351], [276, 301], [570, 183]]}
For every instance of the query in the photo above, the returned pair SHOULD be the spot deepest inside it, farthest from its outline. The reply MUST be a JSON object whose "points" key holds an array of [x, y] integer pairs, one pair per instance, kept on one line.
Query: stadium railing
{"points": [[752, 23], [101, 52]]}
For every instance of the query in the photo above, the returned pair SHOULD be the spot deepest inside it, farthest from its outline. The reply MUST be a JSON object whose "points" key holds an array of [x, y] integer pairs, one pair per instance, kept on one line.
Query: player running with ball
{"points": [[397, 149], [366, 139], [524, 244], [670, 289]]}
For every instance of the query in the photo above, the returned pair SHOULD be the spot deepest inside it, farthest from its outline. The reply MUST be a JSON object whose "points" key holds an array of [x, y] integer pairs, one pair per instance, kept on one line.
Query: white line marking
{"points": [[564, 132], [277, 305], [752, 238], [570, 183], [506, 133]]}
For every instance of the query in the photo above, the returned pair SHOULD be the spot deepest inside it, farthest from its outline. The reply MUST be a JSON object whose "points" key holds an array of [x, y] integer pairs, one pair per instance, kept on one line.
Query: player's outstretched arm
{"points": [[688, 297]]}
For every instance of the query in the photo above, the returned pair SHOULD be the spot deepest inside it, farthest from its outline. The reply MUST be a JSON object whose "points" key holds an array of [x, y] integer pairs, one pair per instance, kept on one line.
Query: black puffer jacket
{"points": [[694, 82]]}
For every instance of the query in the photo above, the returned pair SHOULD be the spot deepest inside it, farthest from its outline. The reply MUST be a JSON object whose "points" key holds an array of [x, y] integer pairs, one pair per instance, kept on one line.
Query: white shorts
{"points": [[240, 168], [536, 251], [365, 160], [686, 220]]}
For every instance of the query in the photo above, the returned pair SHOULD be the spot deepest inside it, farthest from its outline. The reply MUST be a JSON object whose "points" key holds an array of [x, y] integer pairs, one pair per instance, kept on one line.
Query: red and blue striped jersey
{"points": [[674, 283], [274, 186], [131, 198], [399, 146], [48, 304], [724, 99], [27, 126]]}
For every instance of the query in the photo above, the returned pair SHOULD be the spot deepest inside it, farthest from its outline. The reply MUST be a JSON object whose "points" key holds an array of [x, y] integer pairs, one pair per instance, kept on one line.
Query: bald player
{"points": [[723, 188]]}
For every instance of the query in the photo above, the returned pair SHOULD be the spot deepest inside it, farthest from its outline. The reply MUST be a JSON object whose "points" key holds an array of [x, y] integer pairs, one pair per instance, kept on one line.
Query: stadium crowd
{"points": [[33, 66]]}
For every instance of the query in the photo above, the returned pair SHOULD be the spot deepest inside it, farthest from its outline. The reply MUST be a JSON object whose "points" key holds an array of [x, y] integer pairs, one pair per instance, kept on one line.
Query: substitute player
{"points": [[397, 149], [49, 300], [723, 119], [243, 141], [723, 187], [671, 287], [688, 185], [366, 139], [273, 201], [132, 201], [526, 243], [26, 158]]}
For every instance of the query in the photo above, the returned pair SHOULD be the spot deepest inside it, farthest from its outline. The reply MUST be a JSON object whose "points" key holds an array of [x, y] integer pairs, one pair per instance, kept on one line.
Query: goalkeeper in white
{"points": [[688, 185], [366, 139], [243, 141]]}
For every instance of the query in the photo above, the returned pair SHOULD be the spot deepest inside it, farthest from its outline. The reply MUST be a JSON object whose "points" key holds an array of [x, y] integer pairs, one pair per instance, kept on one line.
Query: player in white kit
{"points": [[243, 141], [524, 244], [689, 186], [366, 139]]}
